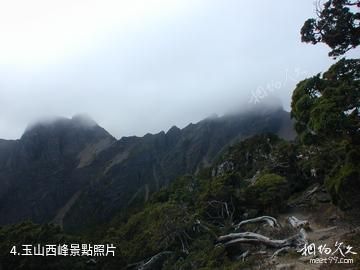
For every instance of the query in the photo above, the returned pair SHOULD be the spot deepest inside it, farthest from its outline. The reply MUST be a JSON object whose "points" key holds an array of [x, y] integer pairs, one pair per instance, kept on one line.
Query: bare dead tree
{"points": [[223, 212]]}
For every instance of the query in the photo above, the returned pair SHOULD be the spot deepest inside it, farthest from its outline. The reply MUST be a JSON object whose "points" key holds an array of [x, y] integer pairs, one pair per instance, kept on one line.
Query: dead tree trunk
{"points": [[272, 222], [231, 239]]}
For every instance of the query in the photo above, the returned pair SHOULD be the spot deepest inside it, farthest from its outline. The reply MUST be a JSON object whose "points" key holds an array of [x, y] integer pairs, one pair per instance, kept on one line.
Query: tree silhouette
{"points": [[337, 25]]}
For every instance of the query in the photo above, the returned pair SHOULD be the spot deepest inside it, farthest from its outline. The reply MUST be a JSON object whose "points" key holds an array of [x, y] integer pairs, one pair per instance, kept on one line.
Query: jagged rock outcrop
{"points": [[38, 172]]}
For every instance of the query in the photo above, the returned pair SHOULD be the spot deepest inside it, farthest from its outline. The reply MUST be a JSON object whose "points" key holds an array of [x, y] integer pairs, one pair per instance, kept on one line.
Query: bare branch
{"points": [[272, 222], [279, 251], [242, 256]]}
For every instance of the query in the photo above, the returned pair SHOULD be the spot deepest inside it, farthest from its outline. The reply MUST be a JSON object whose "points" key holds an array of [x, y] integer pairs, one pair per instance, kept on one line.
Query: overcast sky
{"points": [[138, 66]]}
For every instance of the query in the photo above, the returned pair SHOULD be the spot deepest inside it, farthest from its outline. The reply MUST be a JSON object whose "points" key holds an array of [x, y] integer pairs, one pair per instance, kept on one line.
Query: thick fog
{"points": [[142, 66]]}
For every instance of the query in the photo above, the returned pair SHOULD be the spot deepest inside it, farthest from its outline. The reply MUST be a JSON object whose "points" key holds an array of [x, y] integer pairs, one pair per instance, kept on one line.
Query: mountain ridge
{"points": [[77, 174]]}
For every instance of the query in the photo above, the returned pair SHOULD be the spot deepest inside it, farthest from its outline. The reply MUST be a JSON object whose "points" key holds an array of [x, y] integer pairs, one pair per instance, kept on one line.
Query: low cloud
{"points": [[164, 66]]}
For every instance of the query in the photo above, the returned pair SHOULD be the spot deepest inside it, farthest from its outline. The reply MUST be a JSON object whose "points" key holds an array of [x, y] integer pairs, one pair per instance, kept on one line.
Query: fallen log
{"points": [[272, 222], [231, 239]]}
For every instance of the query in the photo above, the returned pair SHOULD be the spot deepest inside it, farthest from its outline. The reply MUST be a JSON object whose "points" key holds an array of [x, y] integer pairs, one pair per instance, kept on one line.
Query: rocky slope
{"points": [[258, 202], [38, 172]]}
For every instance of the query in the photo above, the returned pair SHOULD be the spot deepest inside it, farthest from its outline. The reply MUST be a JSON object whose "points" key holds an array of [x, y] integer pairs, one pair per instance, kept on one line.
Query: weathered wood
{"points": [[242, 256], [279, 251], [272, 222], [231, 239]]}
